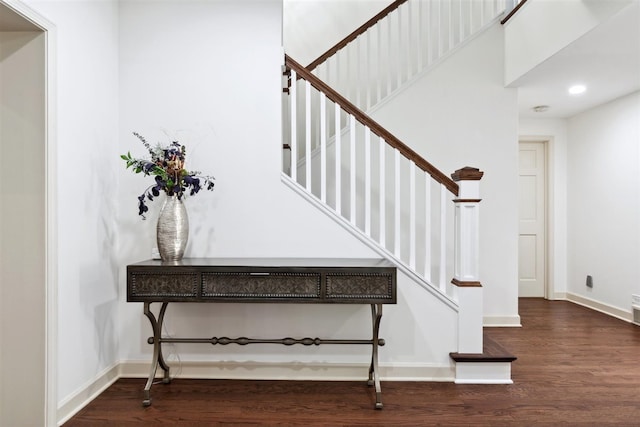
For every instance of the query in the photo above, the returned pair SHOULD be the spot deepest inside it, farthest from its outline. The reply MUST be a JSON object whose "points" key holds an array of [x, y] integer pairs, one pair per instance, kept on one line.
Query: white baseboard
{"points": [[558, 296], [612, 311], [253, 371], [295, 371], [483, 373], [70, 406], [501, 321]]}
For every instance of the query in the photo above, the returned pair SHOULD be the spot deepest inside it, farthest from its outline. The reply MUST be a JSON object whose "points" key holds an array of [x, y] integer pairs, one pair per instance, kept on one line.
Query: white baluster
{"points": [[357, 81], [382, 144], [367, 181], [412, 215], [323, 147], [396, 218], [450, 26], [399, 48], [379, 63], [366, 37], [388, 63], [338, 147], [338, 85], [352, 168], [461, 23], [440, 31], [420, 6], [347, 72], [427, 227], [294, 132], [409, 44], [329, 65], [307, 154], [471, 20], [429, 24], [443, 238]]}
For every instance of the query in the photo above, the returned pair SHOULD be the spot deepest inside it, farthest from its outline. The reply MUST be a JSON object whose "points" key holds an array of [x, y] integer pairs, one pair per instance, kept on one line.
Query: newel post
{"points": [[466, 281]]}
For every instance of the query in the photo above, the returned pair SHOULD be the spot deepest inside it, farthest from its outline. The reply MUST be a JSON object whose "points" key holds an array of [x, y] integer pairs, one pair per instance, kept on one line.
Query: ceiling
{"points": [[606, 60], [12, 21]]}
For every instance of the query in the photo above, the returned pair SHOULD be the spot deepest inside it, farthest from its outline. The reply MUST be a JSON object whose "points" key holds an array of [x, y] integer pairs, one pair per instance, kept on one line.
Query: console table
{"points": [[261, 280]]}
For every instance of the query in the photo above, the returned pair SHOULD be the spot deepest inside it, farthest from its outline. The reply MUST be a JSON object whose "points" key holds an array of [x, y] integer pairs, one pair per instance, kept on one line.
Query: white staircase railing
{"points": [[401, 42], [386, 194]]}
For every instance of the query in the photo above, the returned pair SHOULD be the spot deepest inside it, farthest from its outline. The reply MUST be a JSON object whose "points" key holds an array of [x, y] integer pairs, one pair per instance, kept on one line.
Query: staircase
{"points": [[374, 185], [399, 44]]}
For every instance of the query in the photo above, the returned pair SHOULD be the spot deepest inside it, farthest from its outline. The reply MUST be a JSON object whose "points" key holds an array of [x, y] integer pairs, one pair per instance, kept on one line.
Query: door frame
{"points": [[50, 285], [548, 143]]}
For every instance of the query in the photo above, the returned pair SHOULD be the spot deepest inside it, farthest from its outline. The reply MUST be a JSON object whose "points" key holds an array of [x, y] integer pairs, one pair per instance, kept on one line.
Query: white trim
{"points": [[293, 371], [510, 321], [601, 307], [72, 404], [369, 242], [483, 373], [484, 381], [51, 235], [51, 397]]}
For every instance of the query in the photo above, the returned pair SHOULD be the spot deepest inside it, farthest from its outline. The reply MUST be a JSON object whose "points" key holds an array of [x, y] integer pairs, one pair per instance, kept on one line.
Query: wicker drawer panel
{"points": [[360, 285], [164, 285], [259, 285]]}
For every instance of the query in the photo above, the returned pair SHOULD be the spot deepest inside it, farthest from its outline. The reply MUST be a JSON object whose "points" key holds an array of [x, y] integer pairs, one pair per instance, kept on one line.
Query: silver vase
{"points": [[173, 229]]}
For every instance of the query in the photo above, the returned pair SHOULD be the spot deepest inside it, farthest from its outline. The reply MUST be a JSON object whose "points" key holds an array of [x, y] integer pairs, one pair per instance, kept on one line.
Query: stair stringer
{"points": [[441, 296]]}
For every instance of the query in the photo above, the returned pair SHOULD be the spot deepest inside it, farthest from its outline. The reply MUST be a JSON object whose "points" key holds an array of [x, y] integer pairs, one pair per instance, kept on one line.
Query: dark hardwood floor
{"points": [[575, 367]]}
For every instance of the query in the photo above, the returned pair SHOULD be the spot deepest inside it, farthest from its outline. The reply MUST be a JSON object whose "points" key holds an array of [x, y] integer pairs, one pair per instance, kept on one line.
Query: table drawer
{"points": [[260, 285], [360, 285], [170, 285]]}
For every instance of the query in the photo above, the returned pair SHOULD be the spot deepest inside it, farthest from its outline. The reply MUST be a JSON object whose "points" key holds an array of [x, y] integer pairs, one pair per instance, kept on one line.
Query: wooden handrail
{"points": [[351, 37], [513, 11], [374, 126]]}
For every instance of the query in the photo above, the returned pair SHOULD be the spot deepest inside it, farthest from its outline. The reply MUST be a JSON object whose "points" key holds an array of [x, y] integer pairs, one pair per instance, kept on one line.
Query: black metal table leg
{"points": [[374, 372], [156, 340]]}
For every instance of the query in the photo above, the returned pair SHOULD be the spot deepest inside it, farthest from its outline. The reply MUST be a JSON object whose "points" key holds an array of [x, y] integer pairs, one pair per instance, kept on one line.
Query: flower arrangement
{"points": [[167, 165]]}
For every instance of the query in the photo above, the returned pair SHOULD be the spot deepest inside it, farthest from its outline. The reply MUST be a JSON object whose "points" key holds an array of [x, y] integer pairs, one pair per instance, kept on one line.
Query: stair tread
{"points": [[491, 352]]}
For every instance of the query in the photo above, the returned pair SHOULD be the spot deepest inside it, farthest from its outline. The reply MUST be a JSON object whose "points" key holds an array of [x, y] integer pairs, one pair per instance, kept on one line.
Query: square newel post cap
{"points": [[467, 174]]}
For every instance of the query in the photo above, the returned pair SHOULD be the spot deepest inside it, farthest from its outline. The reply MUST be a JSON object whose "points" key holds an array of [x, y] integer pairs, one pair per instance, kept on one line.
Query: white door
{"points": [[532, 211]]}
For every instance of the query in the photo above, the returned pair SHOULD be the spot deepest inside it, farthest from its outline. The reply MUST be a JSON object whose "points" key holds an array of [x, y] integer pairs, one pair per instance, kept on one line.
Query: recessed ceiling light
{"points": [[540, 108], [577, 89]]}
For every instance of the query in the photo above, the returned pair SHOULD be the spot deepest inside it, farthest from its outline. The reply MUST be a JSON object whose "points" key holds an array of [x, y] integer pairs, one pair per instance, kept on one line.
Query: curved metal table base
{"points": [[156, 327], [158, 360]]}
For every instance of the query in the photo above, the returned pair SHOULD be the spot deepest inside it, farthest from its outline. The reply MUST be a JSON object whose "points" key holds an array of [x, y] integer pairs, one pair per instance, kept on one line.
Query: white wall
{"points": [[87, 83], [604, 202], [554, 131], [22, 228], [459, 114], [209, 74]]}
